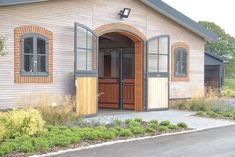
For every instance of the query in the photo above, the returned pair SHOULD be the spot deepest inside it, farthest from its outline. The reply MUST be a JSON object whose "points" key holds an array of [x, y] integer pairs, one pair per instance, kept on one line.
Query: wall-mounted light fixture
{"points": [[125, 13]]}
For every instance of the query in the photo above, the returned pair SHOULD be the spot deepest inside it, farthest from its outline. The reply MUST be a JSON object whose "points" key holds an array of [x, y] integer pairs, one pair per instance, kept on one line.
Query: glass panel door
{"points": [[86, 73], [158, 73]]}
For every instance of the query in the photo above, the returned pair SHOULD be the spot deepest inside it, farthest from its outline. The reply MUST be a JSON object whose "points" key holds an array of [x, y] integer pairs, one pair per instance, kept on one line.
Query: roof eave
{"points": [[23, 2]]}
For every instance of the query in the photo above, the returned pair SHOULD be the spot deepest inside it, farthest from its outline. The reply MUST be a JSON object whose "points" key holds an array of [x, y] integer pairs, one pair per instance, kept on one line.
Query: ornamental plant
{"points": [[3, 41], [20, 122]]}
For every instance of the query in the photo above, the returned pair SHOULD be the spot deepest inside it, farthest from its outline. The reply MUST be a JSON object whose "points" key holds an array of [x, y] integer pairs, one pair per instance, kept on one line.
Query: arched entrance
{"points": [[120, 67]]}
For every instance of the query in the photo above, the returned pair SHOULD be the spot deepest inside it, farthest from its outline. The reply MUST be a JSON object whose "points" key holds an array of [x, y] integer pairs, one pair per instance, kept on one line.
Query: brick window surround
{"points": [[173, 47], [18, 32]]}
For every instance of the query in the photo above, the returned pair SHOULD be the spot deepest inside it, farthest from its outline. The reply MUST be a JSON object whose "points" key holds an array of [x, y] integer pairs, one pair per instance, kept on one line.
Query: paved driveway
{"points": [[173, 115], [217, 142]]}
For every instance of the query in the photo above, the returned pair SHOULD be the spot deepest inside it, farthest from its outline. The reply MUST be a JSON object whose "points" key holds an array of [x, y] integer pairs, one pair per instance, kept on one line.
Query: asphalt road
{"points": [[218, 142]]}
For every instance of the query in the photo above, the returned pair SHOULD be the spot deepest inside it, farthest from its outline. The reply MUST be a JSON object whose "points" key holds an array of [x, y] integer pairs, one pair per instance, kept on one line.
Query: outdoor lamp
{"points": [[125, 13]]}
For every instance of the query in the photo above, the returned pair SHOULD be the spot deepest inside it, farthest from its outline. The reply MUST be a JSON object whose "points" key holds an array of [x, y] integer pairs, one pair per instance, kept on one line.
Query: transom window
{"points": [[34, 54], [180, 55]]}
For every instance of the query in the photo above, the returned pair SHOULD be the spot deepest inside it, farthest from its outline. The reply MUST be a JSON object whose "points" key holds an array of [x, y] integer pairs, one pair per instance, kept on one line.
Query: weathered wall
{"points": [[59, 16]]}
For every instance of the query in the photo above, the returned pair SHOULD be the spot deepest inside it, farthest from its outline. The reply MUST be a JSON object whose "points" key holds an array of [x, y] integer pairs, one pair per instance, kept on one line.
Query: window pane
{"points": [[81, 59], [28, 45], [163, 63], [81, 38], [41, 63], [163, 45], [184, 68], [184, 55], [41, 46], [153, 63], [91, 41], [153, 46], [28, 63], [129, 66], [177, 55], [177, 68], [89, 60]]}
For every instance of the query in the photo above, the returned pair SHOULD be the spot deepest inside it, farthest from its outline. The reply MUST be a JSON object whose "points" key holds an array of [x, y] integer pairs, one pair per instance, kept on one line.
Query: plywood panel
{"points": [[157, 93], [86, 96]]}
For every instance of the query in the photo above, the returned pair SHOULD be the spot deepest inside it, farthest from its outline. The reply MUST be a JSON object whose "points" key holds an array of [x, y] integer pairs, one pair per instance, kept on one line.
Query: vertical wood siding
{"points": [[59, 16]]}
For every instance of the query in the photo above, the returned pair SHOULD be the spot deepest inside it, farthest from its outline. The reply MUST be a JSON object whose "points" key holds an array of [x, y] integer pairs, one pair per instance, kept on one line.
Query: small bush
{"points": [[108, 134], [125, 133], [228, 114], [213, 114], [165, 123], [61, 113], [152, 125], [154, 122], [182, 125], [134, 124], [20, 122], [172, 127], [201, 113], [90, 135], [150, 130], [138, 120], [2, 131], [163, 128], [40, 144], [137, 130]]}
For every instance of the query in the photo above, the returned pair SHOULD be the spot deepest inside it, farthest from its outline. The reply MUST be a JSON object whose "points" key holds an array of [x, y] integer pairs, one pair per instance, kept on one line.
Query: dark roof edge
{"points": [[182, 19], [16, 2], [215, 56]]}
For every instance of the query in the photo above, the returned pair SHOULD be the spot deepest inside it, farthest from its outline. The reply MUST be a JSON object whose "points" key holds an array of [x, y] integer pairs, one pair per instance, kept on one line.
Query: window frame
{"points": [[182, 50], [35, 72]]}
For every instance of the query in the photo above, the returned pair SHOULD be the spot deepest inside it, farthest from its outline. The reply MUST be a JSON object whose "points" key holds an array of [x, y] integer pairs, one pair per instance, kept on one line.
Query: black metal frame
{"points": [[157, 74]]}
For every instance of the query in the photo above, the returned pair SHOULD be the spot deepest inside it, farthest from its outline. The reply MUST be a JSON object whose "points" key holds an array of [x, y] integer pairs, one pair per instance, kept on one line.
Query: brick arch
{"points": [[173, 47], [18, 32], [120, 27], [139, 38]]}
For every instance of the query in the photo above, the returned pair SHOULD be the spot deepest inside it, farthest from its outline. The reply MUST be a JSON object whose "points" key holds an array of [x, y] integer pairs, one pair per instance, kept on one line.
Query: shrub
{"points": [[201, 113], [116, 122], [7, 147], [90, 135], [172, 127], [154, 122], [125, 133], [163, 128], [60, 113], [182, 125], [152, 125], [165, 123], [108, 134], [150, 130], [137, 130], [40, 144], [114, 130], [228, 114], [2, 131], [212, 114], [134, 124], [20, 122], [138, 120]]}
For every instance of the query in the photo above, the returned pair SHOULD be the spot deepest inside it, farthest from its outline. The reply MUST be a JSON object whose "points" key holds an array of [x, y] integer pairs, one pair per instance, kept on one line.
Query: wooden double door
{"points": [[117, 78]]}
